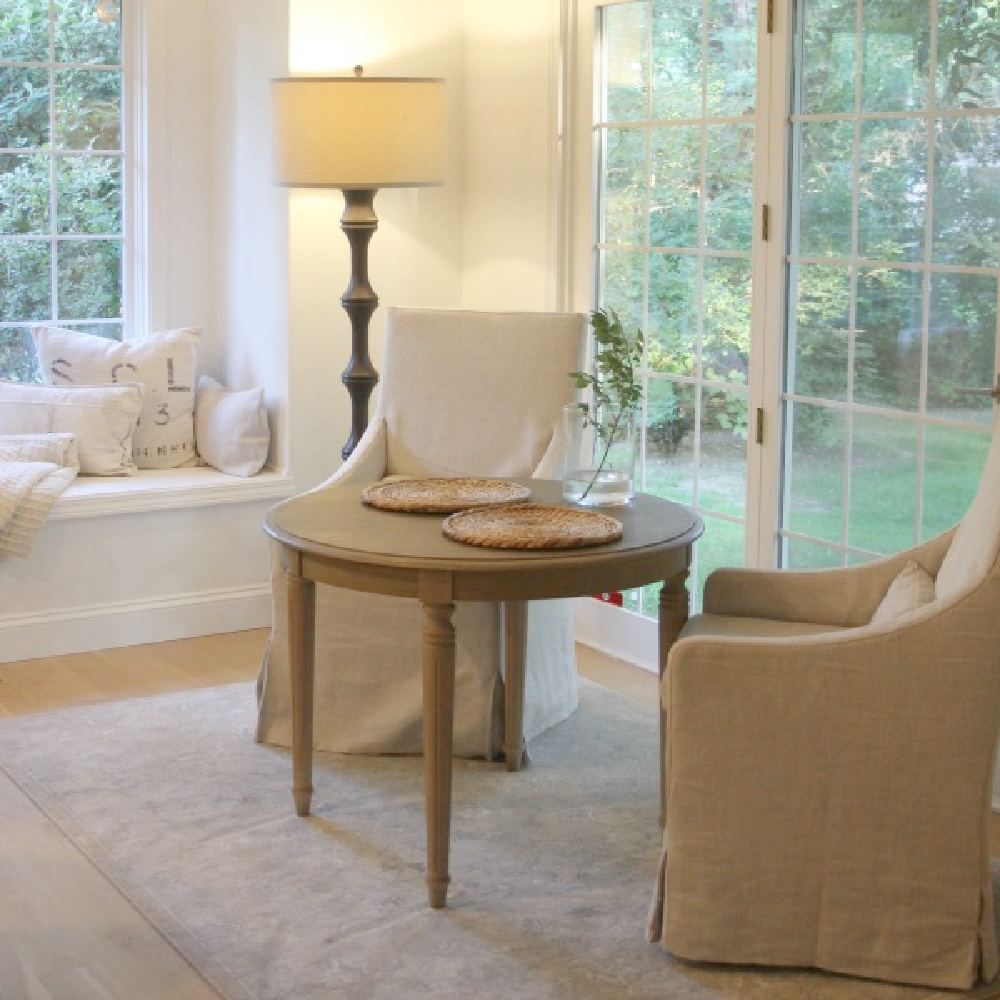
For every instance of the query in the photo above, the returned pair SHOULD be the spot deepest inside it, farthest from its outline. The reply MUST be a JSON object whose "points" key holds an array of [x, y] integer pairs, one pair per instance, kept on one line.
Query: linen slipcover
{"points": [[828, 794], [463, 393]]}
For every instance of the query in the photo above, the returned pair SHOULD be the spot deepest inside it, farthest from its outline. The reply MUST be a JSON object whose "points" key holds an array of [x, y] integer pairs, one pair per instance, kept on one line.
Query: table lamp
{"points": [[359, 134]]}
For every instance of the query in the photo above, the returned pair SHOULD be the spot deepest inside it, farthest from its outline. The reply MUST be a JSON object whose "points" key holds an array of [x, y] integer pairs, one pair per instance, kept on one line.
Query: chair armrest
{"points": [[847, 597], [366, 464]]}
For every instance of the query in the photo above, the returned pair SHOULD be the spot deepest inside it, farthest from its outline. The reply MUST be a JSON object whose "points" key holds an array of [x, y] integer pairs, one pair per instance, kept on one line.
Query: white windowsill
{"points": [[159, 489]]}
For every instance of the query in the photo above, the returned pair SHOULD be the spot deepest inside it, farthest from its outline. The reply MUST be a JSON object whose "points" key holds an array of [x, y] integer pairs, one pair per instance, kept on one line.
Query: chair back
{"points": [[974, 549], [468, 393]]}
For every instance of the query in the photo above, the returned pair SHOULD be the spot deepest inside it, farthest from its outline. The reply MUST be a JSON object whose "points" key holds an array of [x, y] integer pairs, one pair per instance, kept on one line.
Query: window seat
{"points": [[157, 489], [163, 554]]}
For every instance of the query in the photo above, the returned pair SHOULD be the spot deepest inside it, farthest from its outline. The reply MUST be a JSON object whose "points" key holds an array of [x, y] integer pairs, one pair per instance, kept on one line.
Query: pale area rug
{"points": [[552, 867]]}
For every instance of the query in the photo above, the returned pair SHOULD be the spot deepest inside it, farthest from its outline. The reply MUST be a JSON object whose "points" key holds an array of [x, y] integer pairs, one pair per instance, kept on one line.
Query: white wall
{"points": [[415, 257]]}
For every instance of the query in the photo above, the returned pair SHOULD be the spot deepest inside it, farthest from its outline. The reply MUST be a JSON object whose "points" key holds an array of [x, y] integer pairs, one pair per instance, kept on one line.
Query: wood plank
{"points": [[65, 931]]}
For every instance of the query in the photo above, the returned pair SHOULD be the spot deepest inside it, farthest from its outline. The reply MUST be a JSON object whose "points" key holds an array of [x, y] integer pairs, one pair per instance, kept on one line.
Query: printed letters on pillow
{"points": [[163, 363]]}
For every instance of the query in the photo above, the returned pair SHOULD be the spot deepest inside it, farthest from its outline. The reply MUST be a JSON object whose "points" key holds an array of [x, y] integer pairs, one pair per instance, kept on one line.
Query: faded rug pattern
{"points": [[552, 867]]}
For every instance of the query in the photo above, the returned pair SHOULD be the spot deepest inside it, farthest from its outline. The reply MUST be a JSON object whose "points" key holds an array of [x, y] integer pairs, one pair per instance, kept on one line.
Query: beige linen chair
{"points": [[463, 394], [828, 778]]}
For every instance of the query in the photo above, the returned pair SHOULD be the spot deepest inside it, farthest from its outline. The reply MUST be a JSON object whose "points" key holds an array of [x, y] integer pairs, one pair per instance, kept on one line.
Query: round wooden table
{"points": [[329, 537]]}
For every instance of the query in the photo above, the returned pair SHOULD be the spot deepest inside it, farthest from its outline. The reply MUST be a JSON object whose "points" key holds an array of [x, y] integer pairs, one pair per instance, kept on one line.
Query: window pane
{"points": [[800, 554], [888, 339], [81, 35], [24, 31], [89, 195], [883, 484], [670, 417], [88, 109], [722, 544], [622, 280], [677, 59], [110, 331], [726, 324], [967, 191], [722, 464], [826, 168], [17, 355], [676, 187], [820, 334], [24, 195], [89, 274], [896, 53], [892, 190], [732, 60], [968, 52], [962, 345], [729, 187], [626, 64], [624, 196], [24, 108], [672, 337], [953, 463], [828, 56], [26, 285], [814, 473]]}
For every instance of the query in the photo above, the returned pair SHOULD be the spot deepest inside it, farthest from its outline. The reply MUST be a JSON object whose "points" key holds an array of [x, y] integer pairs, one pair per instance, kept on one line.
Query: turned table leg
{"points": [[673, 613], [515, 633], [439, 704], [301, 650]]}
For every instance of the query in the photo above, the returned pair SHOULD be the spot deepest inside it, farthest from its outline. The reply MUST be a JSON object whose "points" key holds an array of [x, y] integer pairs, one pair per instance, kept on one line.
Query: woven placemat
{"points": [[531, 526], [442, 496]]}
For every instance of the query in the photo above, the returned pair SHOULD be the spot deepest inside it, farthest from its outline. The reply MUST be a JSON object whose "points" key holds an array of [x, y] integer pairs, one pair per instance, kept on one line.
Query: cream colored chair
{"points": [[463, 394], [828, 777]]}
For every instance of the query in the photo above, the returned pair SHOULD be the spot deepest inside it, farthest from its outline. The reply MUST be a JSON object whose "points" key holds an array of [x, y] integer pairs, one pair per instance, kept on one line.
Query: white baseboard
{"points": [[621, 634], [131, 623]]}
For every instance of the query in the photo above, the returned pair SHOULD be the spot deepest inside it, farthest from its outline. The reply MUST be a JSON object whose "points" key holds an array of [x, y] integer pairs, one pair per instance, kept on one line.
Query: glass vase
{"points": [[599, 466]]}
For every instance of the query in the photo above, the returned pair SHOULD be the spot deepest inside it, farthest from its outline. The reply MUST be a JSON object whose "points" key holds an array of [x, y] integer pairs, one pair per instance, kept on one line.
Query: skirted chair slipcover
{"points": [[828, 777], [463, 393]]}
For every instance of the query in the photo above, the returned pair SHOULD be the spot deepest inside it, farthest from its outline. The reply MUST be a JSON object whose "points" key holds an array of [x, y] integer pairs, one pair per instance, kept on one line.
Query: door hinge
{"points": [[765, 222], [770, 17], [759, 435]]}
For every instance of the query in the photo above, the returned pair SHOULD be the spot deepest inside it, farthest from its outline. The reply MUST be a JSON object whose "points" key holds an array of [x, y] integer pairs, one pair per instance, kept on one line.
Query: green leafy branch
{"points": [[615, 383]]}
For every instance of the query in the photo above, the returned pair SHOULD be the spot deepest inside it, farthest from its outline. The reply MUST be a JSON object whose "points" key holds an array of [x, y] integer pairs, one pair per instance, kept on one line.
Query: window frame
{"points": [[134, 175]]}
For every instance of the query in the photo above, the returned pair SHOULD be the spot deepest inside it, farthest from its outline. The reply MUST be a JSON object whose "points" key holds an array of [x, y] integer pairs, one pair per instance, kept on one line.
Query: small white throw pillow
{"points": [[231, 427], [163, 363], [912, 588], [102, 419], [59, 449]]}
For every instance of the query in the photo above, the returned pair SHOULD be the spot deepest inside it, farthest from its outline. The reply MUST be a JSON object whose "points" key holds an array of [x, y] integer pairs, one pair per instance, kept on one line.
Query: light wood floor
{"points": [[65, 932]]}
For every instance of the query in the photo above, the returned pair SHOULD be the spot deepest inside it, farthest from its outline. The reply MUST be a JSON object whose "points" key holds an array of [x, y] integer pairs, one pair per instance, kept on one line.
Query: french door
{"points": [[800, 208]]}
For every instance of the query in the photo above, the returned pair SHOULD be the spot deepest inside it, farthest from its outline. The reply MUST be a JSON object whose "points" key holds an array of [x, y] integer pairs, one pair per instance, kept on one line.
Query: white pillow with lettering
{"points": [[163, 363], [101, 418], [231, 427]]}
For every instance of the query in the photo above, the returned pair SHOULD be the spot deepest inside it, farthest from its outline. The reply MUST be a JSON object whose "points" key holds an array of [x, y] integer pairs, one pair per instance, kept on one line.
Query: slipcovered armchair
{"points": [[828, 776], [463, 394]]}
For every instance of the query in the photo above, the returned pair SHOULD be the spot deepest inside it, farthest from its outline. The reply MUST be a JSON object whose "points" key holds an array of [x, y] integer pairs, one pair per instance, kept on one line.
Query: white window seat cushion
{"points": [[155, 489]]}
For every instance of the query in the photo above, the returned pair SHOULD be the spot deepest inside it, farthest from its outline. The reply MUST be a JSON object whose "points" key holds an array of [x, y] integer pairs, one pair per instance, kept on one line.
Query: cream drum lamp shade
{"points": [[358, 133]]}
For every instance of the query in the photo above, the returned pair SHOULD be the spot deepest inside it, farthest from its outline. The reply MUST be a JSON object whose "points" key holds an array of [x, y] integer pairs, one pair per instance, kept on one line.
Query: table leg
{"points": [[673, 613], [301, 656], [439, 706], [515, 636]]}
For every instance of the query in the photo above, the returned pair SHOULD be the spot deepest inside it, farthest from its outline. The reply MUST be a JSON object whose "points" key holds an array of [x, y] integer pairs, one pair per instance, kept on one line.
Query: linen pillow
{"points": [[231, 427], [912, 588], [163, 363], [59, 449], [102, 418]]}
